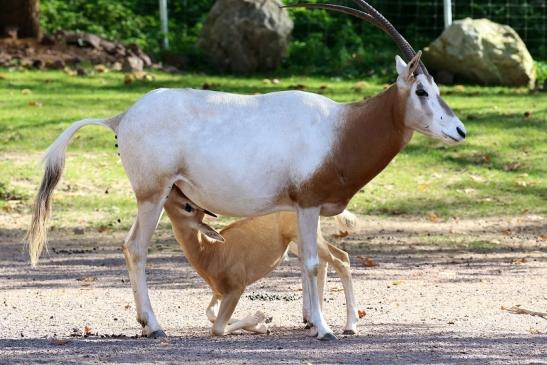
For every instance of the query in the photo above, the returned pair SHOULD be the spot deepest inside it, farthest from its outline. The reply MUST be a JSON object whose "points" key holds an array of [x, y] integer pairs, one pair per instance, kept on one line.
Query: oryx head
{"points": [[425, 110]]}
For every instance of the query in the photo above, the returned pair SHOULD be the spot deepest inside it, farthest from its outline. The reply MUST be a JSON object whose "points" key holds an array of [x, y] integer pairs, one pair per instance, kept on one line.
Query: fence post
{"points": [[447, 13], [163, 19]]}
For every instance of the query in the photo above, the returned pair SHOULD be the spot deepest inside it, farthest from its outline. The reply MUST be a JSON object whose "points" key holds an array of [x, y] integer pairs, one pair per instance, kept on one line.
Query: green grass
{"points": [[500, 170]]}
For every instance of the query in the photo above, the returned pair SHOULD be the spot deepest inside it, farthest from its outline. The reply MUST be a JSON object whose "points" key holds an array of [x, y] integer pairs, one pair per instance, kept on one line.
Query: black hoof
{"points": [[157, 334], [349, 332], [328, 337]]}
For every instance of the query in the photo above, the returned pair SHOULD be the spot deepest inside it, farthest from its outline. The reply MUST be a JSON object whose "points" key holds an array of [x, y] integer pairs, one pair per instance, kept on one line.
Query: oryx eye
{"points": [[188, 208], [421, 93]]}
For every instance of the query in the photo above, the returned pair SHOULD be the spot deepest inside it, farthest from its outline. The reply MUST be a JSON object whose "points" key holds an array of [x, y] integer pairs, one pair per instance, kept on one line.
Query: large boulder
{"points": [[245, 36], [479, 50]]}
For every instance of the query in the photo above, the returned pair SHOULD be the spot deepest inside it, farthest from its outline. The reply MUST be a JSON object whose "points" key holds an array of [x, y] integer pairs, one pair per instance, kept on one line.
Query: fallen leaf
{"points": [[433, 217], [516, 309], [87, 279], [477, 178], [367, 262], [88, 330], [3, 77], [422, 187], [361, 313], [341, 234], [513, 166], [519, 261], [26, 91], [297, 87], [128, 306], [323, 87], [164, 343], [58, 341], [336, 289], [35, 104], [397, 282], [459, 88], [521, 183], [275, 81], [267, 81], [534, 331], [507, 232], [100, 68], [542, 237]]}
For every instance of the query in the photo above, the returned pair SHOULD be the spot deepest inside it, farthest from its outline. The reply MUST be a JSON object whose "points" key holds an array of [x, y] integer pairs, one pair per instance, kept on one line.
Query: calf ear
{"points": [[210, 232]]}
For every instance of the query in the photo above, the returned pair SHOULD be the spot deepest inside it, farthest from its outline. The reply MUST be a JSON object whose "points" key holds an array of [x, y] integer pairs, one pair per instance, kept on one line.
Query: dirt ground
{"points": [[434, 297]]}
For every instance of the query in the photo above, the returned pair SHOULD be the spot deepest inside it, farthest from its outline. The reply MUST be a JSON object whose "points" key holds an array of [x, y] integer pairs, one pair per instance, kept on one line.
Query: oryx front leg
{"points": [[307, 246], [135, 250]]}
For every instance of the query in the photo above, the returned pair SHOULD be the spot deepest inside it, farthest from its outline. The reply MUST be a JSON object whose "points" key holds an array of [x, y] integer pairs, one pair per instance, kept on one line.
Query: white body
{"points": [[239, 152]]}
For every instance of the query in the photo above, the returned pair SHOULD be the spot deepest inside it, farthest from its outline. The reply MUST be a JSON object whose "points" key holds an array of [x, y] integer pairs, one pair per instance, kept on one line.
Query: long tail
{"points": [[346, 222], [54, 163]]}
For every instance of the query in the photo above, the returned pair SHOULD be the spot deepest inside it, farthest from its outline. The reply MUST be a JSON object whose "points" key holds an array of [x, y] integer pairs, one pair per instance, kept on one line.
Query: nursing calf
{"points": [[251, 249]]}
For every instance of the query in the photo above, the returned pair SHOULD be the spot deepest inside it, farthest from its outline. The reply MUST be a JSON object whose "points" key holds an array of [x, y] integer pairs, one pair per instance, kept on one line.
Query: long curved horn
{"points": [[397, 37], [375, 18]]}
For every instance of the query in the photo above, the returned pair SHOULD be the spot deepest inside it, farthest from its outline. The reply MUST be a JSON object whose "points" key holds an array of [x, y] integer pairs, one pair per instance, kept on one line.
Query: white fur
{"points": [[239, 151]]}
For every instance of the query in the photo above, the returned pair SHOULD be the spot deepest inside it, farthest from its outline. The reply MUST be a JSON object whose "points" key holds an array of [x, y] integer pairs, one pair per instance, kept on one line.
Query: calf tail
{"points": [[346, 221]]}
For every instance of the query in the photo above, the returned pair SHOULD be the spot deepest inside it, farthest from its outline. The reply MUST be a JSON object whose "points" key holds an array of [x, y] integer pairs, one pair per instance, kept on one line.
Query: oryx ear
{"points": [[414, 63], [210, 232], [400, 65], [405, 70]]}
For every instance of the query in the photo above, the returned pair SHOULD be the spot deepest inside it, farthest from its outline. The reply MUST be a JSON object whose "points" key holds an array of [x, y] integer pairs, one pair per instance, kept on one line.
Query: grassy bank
{"points": [[500, 170]]}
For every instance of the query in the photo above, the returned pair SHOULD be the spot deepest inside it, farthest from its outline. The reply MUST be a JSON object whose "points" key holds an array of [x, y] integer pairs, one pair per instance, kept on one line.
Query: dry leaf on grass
{"points": [[433, 217], [516, 309], [367, 261], [361, 313], [26, 91], [336, 289], [35, 104]]}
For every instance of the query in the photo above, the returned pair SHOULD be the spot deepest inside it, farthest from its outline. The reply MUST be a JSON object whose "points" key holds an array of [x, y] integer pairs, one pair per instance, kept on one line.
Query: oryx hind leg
{"points": [[135, 250]]}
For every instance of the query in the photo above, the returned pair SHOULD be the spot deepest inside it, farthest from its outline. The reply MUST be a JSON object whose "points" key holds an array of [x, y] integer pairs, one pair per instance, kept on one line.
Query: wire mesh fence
{"points": [[422, 20]]}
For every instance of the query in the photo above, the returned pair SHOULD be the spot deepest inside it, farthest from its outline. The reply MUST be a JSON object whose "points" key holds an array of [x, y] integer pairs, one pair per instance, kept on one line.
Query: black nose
{"points": [[460, 132]]}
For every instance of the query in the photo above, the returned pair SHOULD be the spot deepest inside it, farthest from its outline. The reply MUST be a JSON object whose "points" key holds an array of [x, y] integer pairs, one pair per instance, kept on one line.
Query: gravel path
{"points": [[425, 303]]}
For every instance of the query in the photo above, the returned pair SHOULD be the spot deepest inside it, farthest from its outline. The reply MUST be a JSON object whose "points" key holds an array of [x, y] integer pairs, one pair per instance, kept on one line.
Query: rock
{"points": [[116, 66], [48, 40], [109, 47], [83, 39], [78, 230], [444, 77], [132, 64], [57, 65], [245, 36], [38, 64], [479, 50]]}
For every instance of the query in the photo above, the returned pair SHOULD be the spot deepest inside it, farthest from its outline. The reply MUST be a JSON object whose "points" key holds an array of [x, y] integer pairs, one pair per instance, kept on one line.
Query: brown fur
{"points": [[373, 134]]}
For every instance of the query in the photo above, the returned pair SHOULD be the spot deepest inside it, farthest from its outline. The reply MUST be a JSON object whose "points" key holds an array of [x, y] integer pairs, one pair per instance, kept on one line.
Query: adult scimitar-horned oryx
{"points": [[251, 155]]}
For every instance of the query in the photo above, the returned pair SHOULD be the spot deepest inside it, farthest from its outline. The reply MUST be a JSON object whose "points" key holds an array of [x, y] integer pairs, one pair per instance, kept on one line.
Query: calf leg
{"points": [[212, 309], [307, 229], [340, 261], [135, 250], [227, 306]]}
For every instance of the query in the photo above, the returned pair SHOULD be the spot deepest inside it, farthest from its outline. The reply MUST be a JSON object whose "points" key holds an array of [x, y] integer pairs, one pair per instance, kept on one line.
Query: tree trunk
{"points": [[20, 18]]}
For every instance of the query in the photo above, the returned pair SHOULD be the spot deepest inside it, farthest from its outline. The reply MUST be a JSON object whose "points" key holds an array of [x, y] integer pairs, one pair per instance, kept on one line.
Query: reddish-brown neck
{"points": [[373, 133]]}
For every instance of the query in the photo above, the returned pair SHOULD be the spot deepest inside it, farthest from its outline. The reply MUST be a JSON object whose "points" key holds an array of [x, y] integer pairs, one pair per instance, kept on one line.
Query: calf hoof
{"points": [[349, 332], [157, 334], [327, 337]]}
